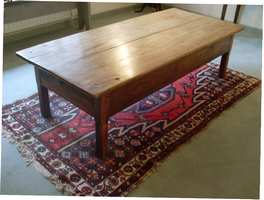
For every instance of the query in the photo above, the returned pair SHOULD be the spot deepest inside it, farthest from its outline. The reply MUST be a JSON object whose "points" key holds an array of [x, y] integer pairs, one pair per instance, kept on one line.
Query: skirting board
{"points": [[38, 30], [63, 22]]}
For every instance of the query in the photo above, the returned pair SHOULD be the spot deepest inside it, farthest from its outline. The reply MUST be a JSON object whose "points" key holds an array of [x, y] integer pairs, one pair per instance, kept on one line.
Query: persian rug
{"points": [[63, 148]]}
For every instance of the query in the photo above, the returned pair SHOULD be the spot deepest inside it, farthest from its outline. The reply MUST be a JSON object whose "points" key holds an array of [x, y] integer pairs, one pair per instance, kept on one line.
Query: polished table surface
{"points": [[105, 58], [104, 70]]}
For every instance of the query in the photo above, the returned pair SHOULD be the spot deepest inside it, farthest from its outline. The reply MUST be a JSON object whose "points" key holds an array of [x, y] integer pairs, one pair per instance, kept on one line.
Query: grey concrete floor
{"points": [[222, 161]]}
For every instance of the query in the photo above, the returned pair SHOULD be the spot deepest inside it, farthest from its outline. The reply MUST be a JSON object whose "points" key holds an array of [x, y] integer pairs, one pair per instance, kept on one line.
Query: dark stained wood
{"points": [[101, 127], [104, 38], [223, 65], [67, 90], [224, 60], [101, 137], [43, 96], [104, 70], [110, 64], [165, 74]]}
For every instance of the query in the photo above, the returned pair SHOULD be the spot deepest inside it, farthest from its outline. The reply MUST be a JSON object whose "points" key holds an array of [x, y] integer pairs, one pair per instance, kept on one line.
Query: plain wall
{"points": [[20, 16], [104, 7], [26, 10], [250, 15]]}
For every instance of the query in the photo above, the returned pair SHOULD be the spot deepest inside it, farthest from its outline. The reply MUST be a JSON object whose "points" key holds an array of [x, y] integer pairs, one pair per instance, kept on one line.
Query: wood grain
{"points": [[104, 70], [105, 59], [165, 74], [43, 95], [70, 92]]}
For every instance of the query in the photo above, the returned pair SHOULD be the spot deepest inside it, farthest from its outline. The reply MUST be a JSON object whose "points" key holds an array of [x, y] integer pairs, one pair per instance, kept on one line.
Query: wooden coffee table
{"points": [[104, 70]]}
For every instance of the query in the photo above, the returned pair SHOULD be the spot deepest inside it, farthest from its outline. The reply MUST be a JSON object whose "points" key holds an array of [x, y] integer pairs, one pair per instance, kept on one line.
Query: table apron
{"points": [[67, 91], [140, 87]]}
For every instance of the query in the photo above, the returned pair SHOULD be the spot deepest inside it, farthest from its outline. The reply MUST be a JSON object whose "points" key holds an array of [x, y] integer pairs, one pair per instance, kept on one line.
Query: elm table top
{"points": [[107, 58]]}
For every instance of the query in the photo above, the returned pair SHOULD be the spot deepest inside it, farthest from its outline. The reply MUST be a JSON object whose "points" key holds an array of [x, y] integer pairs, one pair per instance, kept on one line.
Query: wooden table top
{"points": [[103, 59]]}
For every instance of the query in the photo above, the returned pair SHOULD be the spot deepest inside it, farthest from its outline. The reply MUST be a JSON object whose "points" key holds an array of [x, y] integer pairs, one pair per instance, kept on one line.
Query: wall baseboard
{"points": [[38, 30], [54, 22], [41, 20]]}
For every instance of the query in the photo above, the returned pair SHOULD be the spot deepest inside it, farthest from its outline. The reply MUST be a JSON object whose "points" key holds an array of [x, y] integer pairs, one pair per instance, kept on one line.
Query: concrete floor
{"points": [[222, 161]]}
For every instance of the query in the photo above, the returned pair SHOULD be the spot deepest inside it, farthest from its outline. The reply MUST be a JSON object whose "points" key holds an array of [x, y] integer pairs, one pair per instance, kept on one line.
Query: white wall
{"points": [[70, 12], [30, 9], [209, 10], [250, 15], [97, 7]]}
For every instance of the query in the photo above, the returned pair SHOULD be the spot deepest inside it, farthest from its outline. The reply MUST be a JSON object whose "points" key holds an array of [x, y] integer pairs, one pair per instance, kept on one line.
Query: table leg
{"points": [[43, 97], [223, 65], [101, 128]]}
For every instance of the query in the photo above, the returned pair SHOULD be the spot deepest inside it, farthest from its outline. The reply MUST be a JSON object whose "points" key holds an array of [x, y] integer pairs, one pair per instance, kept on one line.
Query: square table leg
{"points": [[223, 65], [43, 97], [101, 127]]}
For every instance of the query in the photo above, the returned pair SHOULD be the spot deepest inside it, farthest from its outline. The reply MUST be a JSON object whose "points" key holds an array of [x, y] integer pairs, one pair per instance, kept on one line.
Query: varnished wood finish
{"points": [[223, 65], [165, 74], [101, 127], [43, 96], [70, 92], [224, 60], [106, 69], [105, 58]]}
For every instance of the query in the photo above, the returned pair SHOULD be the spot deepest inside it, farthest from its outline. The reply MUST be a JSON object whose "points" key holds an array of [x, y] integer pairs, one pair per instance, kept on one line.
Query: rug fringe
{"points": [[159, 162], [67, 189], [152, 170], [29, 158]]}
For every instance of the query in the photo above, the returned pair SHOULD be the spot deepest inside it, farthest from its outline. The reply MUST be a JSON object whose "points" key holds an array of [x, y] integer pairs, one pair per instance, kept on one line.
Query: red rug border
{"points": [[186, 139], [25, 152]]}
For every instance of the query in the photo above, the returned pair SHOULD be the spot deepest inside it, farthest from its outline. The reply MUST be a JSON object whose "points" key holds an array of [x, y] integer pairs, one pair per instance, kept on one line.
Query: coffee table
{"points": [[104, 70]]}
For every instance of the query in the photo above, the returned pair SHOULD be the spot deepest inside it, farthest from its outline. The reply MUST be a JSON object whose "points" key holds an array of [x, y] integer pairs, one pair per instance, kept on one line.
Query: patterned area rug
{"points": [[63, 148]]}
